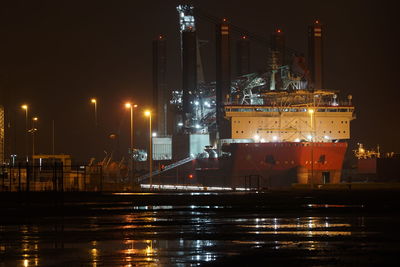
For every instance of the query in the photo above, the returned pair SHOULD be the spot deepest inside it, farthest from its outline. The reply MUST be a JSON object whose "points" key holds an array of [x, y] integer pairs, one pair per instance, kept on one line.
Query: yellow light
{"points": [[128, 105], [311, 111], [135, 106], [93, 100], [24, 107], [147, 113], [35, 118], [149, 250]]}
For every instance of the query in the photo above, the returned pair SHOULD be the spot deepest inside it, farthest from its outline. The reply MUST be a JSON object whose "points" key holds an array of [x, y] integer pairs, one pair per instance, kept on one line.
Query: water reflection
{"points": [[308, 226], [164, 235]]}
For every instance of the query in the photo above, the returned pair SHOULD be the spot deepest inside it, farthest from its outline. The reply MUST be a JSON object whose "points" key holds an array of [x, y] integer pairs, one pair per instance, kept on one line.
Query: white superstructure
{"points": [[292, 118]]}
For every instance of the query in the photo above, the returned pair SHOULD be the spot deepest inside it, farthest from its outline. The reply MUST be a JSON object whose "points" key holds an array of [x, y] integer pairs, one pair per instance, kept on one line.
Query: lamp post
{"points": [[33, 130], [94, 102], [25, 107], [311, 112], [131, 143], [147, 113]]}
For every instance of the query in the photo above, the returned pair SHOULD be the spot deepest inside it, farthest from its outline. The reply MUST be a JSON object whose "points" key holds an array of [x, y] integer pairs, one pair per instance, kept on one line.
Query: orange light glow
{"points": [[35, 118], [24, 107], [128, 105], [93, 100], [147, 113]]}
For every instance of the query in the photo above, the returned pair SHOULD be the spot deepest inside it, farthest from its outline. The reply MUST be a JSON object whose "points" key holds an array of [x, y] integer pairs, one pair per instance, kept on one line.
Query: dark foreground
{"points": [[184, 229]]}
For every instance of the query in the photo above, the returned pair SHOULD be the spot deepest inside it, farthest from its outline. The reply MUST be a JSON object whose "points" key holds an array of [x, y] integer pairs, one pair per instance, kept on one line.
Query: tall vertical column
{"points": [[315, 54], [189, 61], [243, 56], [278, 46], [277, 51], [223, 76], [160, 93]]}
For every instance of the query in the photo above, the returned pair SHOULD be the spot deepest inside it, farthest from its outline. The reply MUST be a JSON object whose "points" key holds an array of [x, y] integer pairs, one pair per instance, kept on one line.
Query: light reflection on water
{"points": [[161, 235]]}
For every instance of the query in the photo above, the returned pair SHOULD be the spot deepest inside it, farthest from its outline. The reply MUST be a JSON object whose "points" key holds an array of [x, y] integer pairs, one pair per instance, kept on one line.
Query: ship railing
{"points": [[167, 168]]}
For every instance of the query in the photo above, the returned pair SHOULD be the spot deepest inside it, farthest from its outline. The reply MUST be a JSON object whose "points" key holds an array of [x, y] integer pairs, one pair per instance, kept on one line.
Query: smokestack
{"points": [[189, 60], [243, 56], [315, 54], [160, 93], [223, 75]]}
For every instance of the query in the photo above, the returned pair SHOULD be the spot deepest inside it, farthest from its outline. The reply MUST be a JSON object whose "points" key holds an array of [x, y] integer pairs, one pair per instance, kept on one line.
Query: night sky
{"points": [[56, 55]]}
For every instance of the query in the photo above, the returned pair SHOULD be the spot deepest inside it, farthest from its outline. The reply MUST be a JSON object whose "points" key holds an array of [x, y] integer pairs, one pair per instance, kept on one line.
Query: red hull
{"points": [[276, 164]]}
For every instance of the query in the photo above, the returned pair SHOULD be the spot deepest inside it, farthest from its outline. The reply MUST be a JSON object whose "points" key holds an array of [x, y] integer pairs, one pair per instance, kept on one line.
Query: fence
{"points": [[58, 177]]}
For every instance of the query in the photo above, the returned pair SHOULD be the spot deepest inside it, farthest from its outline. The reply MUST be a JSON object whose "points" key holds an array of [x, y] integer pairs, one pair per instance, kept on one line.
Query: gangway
{"points": [[167, 168]]}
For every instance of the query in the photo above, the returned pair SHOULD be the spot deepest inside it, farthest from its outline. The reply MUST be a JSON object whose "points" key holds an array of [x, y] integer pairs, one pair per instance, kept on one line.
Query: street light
{"points": [[147, 113], [311, 112], [25, 107], [32, 131], [131, 107], [94, 102]]}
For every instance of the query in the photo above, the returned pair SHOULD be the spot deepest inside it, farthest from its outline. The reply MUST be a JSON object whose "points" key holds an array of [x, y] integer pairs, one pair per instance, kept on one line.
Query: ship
{"points": [[286, 141], [270, 129], [374, 166]]}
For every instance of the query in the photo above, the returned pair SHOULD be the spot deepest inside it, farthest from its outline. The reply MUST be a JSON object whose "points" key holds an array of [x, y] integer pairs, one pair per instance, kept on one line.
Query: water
{"points": [[191, 233]]}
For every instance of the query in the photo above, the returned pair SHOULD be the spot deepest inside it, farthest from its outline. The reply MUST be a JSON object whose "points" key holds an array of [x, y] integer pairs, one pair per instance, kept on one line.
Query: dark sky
{"points": [[55, 55]]}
